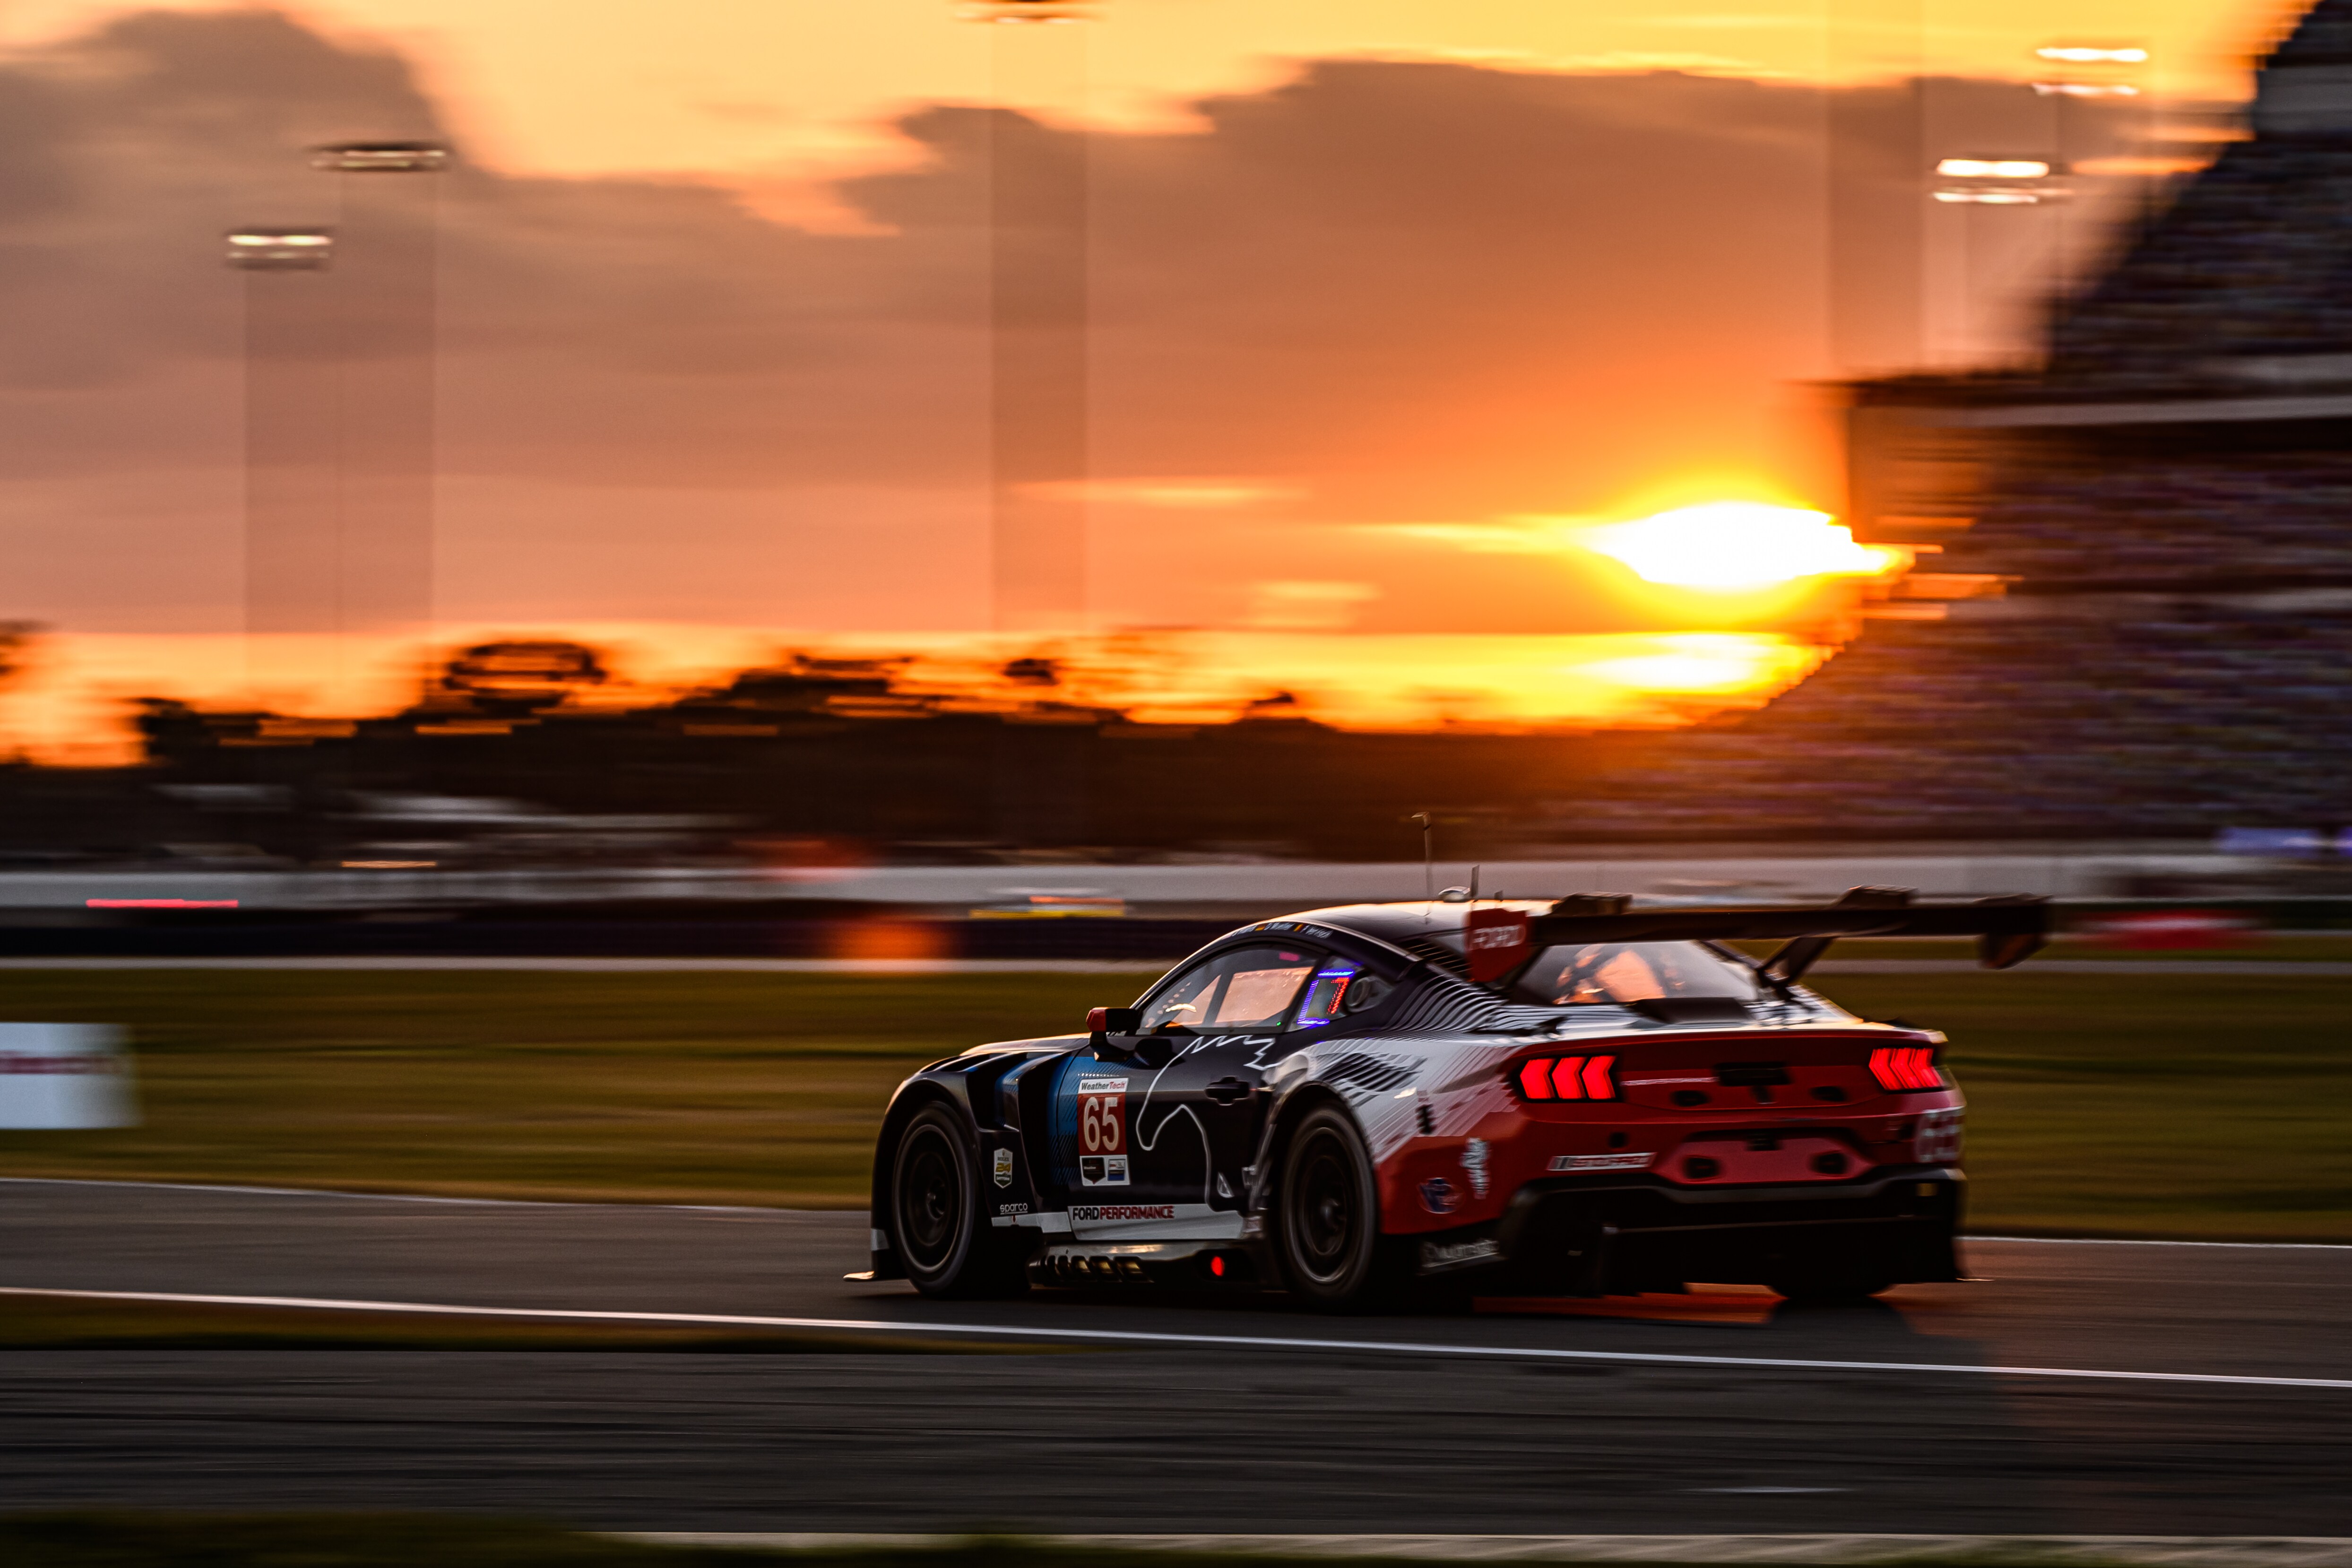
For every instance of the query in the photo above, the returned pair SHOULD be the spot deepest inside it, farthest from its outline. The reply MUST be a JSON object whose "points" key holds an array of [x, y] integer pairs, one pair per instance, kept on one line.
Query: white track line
{"points": [[1150, 1337], [401, 1197]]}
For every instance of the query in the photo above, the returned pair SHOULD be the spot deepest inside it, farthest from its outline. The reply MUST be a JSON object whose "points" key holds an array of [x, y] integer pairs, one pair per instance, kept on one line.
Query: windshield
{"points": [[1245, 988], [1622, 972]]}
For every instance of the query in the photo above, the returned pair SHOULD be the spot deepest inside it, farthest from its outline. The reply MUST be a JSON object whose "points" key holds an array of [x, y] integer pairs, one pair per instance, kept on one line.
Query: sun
{"points": [[1739, 547]]}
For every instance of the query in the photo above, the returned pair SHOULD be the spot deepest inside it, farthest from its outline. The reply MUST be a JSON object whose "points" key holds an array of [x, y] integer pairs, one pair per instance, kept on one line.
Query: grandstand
{"points": [[2162, 514]]}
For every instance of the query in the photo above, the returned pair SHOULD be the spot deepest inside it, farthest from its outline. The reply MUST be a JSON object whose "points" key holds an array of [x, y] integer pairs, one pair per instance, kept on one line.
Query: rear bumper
{"points": [[1610, 1235]]}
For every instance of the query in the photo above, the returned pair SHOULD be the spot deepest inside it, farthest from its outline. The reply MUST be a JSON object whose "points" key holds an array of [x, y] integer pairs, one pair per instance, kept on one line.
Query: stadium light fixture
{"points": [[1994, 182], [255, 249], [2090, 54], [380, 157], [1992, 169]]}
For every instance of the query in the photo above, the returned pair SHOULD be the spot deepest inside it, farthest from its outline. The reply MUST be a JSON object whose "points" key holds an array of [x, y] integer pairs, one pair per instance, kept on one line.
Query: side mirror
{"points": [[1102, 1023]]}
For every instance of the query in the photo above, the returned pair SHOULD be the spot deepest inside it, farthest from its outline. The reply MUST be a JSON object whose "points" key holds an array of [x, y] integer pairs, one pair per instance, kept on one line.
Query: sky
{"points": [[1381, 292], [753, 87]]}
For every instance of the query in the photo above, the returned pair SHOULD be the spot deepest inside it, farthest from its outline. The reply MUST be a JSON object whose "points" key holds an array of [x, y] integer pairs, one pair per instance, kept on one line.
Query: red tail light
{"points": [[1898, 1068], [1569, 1077]]}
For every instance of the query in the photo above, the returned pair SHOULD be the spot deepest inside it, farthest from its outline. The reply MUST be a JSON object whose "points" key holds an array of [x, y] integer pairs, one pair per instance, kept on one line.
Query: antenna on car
{"points": [[1428, 865]]}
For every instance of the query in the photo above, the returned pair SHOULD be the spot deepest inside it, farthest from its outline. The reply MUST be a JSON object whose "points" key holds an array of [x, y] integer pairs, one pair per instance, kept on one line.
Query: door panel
{"points": [[1195, 1103], [1109, 1116], [1152, 1132]]}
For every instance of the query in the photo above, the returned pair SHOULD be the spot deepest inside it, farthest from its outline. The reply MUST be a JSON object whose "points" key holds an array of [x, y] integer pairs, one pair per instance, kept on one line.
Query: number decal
{"points": [[1102, 1132], [1102, 1119]]}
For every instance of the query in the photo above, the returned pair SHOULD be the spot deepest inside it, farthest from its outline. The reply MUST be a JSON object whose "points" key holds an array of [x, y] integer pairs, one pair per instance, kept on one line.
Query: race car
{"points": [[1372, 1104]]}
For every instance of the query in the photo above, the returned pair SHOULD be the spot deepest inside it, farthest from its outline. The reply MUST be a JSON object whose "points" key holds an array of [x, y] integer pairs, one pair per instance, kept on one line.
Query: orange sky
{"points": [[1376, 284], [762, 87]]}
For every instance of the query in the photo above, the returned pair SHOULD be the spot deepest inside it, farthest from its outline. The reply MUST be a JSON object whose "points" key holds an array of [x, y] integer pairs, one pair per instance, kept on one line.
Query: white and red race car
{"points": [[1360, 1104]]}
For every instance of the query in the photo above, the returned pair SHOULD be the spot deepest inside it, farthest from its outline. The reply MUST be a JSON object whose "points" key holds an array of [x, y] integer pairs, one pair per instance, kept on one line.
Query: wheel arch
{"points": [[1288, 1113], [916, 1095]]}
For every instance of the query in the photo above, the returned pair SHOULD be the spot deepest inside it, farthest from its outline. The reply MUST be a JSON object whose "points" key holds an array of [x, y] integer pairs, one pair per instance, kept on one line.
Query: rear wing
{"points": [[2008, 929]]}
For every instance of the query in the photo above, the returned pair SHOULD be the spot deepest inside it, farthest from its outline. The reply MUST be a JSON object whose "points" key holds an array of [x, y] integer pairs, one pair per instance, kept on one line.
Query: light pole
{"points": [[291, 557], [386, 319], [1876, 125], [1038, 427], [1989, 182], [2090, 71]]}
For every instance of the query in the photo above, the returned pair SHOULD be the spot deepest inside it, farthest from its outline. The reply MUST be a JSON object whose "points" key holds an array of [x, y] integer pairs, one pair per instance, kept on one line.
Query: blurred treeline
{"points": [[504, 759]]}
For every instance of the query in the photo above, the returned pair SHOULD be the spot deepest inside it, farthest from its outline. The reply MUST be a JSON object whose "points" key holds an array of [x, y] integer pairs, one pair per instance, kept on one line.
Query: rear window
{"points": [[1600, 973]]}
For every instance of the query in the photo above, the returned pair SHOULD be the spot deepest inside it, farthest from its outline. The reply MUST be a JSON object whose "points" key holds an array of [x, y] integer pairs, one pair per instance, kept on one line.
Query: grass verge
{"points": [[695, 1087], [2109, 1104]]}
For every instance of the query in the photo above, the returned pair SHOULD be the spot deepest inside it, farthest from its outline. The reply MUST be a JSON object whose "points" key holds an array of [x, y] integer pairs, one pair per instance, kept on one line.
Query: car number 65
{"points": [[1100, 1123]]}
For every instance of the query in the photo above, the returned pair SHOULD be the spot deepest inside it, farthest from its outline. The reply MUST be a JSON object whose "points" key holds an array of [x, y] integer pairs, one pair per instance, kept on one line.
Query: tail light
{"points": [[1569, 1077], [1899, 1067]]}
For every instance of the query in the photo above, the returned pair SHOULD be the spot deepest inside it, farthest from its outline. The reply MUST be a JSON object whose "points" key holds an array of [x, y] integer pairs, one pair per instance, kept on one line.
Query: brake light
{"points": [[1898, 1068], [1569, 1077], [1598, 1084]]}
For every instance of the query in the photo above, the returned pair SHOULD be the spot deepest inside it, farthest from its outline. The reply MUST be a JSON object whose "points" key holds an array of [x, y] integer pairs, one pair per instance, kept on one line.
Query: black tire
{"points": [[937, 1224], [1327, 1212]]}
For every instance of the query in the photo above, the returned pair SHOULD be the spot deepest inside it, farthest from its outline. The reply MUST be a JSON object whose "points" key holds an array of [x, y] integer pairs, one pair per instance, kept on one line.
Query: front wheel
{"points": [[1329, 1215], [944, 1240]]}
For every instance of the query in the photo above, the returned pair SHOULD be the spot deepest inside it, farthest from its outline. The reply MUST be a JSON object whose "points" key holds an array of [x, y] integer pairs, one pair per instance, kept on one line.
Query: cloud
{"points": [[1284, 605], [1381, 292]]}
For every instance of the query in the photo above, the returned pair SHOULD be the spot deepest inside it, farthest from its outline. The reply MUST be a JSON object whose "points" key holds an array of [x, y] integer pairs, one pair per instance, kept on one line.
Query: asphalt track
{"points": [[1720, 1412]]}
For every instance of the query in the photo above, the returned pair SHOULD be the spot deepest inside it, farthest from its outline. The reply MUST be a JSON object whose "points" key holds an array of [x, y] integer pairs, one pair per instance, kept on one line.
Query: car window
{"points": [[1620, 972], [1183, 1003], [1245, 988]]}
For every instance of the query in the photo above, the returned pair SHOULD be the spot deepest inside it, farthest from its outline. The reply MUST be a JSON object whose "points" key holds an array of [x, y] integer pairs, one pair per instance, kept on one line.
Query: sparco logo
{"points": [[1124, 1211]]}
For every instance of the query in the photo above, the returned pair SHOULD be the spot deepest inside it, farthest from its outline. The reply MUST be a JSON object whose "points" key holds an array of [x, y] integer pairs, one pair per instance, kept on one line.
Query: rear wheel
{"points": [[945, 1242], [1329, 1215]]}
